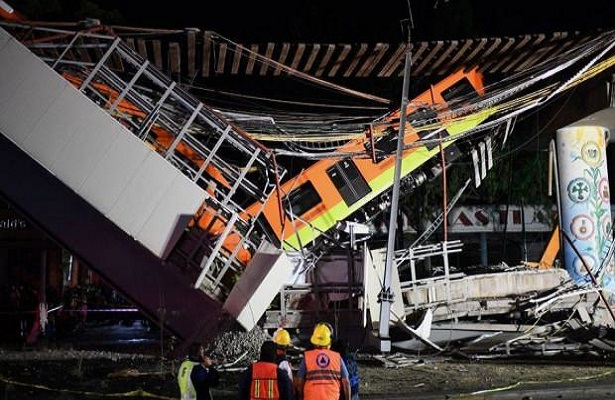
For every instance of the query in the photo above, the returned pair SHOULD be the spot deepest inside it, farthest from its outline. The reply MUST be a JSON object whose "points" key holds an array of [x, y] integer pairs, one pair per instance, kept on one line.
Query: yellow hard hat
{"points": [[321, 336], [281, 337]]}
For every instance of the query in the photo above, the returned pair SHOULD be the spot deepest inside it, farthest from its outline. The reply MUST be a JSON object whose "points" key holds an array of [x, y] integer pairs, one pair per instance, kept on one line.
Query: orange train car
{"points": [[332, 189]]}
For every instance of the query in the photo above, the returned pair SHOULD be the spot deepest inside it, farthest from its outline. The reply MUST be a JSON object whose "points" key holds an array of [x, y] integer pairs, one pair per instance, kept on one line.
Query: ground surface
{"points": [[72, 374], [133, 368]]}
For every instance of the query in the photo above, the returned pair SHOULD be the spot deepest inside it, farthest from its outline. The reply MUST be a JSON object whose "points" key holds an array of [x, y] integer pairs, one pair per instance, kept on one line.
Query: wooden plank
{"points": [[298, 55], [535, 57], [325, 60], [451, 46], [174, 58], [427, 60], [517, 55], [424, 46], [190, 53], [142, 48], [452, 62], [157, 47], [268, 55], [221, 58], [477, 49], [236, 60], [340, 59], [494, 46], [282, 58], [394, 61], [379, 51], [207, 53], [355, 60], [311, 57], [251, 59], [130, 42]]}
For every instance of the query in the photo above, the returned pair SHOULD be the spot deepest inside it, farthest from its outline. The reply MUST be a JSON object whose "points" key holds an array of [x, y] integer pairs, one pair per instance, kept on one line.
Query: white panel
{"points": [[56, 127], [12, 56], [375, 279], [113, 172], [92, 153], [152, 180], [37, 87], [94, 134], [170, 217], [4, 38], [259, 284]]}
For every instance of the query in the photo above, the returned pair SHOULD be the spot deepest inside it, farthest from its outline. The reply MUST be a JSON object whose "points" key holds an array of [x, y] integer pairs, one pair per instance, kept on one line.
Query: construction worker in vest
{"points": [[322, 374], [281, 337], [186, 389], [197, 375], [263, 379]]}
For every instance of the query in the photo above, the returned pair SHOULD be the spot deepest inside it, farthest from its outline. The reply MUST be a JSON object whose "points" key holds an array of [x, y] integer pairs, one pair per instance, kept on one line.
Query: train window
{"points": [[302, 199], [384, 145], [421, 116], [349, 182], [263, 223], [461, 88]]}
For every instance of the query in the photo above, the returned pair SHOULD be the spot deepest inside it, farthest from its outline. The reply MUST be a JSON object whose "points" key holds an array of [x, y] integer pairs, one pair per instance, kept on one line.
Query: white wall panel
{"points": [[147, 186], [91, 140], [181, 195], [55, 128], [38, 88], [4, 38], [114, 171], [11, 74], [90, 152]]}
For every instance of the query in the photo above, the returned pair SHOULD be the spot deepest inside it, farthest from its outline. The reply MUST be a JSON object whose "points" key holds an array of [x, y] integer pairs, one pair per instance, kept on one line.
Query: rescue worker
{"points": [[186, 389], [263, 379], [322, 374], [197, 375], [281, 337]]}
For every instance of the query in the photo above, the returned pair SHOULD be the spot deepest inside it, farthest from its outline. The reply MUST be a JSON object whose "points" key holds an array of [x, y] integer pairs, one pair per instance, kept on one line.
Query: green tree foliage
{"points": [[517, 178]]}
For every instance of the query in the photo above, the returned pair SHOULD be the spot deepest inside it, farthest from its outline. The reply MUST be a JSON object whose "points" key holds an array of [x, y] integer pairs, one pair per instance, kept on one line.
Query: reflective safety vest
{"points": [[186, 389], [323, 375], [264, 381]]}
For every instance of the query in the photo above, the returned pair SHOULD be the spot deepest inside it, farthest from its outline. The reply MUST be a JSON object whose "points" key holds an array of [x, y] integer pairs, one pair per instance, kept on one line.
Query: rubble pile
{"points": [[238, 348]]}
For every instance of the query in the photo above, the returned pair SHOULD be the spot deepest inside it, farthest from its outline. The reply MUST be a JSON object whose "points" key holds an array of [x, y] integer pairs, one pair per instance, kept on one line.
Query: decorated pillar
{"points": [[585, 207]]}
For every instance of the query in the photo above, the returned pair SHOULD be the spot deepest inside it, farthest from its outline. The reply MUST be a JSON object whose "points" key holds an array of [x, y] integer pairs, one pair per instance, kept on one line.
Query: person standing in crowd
{"points": [[264, 379], [281, 337], [204, 376], [322, 374], [186, 389], [197, 375], [343, 347]]}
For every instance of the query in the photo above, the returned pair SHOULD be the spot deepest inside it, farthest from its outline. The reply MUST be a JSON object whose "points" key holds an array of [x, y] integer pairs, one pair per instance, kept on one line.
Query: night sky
{"points": [[341, 20], [344, 20]]}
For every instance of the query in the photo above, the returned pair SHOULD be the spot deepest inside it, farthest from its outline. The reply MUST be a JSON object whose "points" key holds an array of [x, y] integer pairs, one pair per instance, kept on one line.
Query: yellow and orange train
{"points": [[308, 205], [332, 189]]}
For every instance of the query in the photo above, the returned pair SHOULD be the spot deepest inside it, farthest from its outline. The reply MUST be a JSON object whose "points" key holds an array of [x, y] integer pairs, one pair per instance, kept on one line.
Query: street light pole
{"points": [[386, 296]]}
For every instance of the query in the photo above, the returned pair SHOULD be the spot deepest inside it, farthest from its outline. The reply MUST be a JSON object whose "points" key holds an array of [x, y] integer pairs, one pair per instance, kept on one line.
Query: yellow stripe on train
{"points": [[415, 158]]}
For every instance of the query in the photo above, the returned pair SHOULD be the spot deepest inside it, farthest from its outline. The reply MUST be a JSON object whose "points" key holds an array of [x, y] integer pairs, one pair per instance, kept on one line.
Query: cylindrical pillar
{"points": [[585, 209]]}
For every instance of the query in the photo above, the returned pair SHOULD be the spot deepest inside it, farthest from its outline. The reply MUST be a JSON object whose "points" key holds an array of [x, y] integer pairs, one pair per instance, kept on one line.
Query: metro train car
{"points": [[331, 189]]}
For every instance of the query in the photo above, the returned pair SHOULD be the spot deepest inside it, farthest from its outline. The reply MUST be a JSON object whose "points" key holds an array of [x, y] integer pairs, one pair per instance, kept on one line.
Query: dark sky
{"points": [[369, 20], [342, 20]]}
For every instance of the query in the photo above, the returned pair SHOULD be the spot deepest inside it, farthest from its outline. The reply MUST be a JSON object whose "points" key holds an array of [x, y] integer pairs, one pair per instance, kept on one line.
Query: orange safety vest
{"points": [[323, 375], [264, 381]]}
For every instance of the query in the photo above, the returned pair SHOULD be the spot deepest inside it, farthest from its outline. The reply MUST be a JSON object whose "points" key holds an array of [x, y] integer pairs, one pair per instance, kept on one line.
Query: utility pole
{"points": [[386, 296]]}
